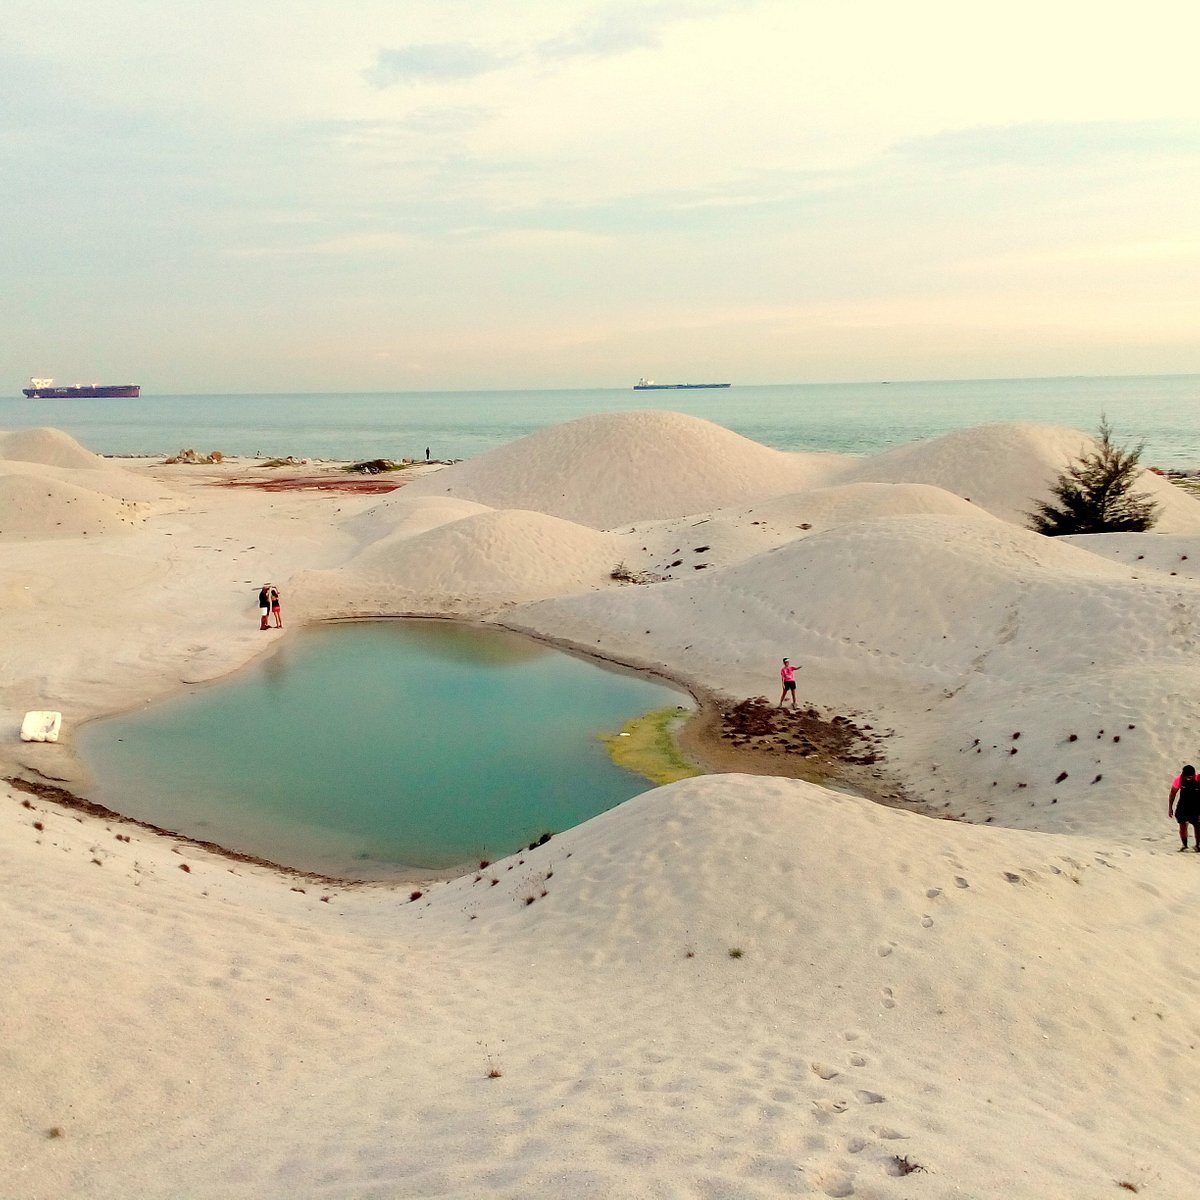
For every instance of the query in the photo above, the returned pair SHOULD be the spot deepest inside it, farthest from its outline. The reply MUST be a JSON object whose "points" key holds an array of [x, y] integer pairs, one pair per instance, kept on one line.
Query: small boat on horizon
{"points": [[46, 389], [648, 385]]}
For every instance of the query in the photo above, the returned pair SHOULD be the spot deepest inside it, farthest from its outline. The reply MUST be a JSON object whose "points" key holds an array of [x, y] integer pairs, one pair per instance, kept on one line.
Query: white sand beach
{"points": [[734, 986]]}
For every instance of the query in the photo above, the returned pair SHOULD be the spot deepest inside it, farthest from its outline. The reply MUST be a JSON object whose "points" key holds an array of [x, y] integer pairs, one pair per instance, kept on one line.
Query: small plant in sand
{"points": [[736, 952], [1095, 493], [493, 1066], [623, 574]]}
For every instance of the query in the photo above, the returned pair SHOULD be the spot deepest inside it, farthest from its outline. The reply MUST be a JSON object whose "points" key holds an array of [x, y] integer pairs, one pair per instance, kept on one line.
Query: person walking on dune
{"points": [[788, 674], [1187, 809]]}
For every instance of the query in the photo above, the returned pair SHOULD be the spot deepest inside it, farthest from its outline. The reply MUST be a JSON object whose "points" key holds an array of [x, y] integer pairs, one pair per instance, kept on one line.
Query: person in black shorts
{"points": [[1186, 810], [788, 674]]}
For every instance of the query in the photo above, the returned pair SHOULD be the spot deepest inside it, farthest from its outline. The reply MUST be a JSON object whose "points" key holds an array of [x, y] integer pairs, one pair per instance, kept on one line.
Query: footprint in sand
{"points": [[960, 882], [836, 1185], [932, 893], [857, 1060], [825, 1072], [824, 1109], [927, 921], [866, 1097], [856, 1145], [888, 999], [885, 950]]}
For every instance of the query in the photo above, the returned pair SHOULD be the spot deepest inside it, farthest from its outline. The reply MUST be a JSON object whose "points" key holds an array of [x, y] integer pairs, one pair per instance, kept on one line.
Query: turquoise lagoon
{"points": [[364, 748]]}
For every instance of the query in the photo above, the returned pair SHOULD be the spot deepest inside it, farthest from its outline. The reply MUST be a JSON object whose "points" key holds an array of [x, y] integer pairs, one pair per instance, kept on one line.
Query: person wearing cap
{"points": [[1187, 812], [788, 674]]}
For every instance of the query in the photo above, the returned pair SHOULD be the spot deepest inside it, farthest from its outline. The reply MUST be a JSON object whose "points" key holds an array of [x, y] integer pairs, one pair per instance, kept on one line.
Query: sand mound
{"points": [[752, 987], [922, 595], [1177, 555], [612, 469], [50, 447], [675, 548], [472, 564], [1006, 468], [405, 515], [960, 631], [34, 507]]}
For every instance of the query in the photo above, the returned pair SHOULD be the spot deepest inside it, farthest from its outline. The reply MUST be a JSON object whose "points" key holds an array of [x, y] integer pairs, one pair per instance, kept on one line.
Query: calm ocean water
{"points": [[854, 418]]}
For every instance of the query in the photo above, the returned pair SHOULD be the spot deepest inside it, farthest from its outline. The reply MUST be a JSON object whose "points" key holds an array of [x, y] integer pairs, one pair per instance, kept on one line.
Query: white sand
{"points": [[1009, 1003]]}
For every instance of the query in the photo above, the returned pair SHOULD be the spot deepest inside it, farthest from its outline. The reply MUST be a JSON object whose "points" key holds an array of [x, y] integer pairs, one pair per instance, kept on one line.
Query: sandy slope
{"points": [[607, 470], [1011, 1010]]}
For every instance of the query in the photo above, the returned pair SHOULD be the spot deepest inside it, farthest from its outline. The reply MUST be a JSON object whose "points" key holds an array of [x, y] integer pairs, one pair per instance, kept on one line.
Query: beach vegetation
{"points": [[1095, 494], [736, 952], [625, 574], [375, 466], [646, 745], [493, 1067]]}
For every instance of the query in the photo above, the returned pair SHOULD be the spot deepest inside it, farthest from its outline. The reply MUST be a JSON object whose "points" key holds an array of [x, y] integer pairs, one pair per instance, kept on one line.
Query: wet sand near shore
{"points": [[755, 737]]}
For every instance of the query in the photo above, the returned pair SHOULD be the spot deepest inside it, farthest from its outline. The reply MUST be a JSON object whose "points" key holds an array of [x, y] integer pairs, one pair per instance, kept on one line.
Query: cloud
{"points": [[434, 62], [1054, 144], [618, 31], [610, 33]]}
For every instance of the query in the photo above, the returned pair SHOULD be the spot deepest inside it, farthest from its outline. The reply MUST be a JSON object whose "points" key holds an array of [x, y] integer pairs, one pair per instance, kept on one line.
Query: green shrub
{"points": [[1095, 493]]}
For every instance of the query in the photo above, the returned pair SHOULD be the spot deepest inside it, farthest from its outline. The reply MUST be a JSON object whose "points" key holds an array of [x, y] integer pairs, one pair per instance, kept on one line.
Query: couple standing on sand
{"points": [[268, 604], [1187, 811]]}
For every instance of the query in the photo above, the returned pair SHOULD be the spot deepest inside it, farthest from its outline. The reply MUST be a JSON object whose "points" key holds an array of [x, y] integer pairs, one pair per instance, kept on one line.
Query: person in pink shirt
{"points": [[1187, 812], [788, 674]]}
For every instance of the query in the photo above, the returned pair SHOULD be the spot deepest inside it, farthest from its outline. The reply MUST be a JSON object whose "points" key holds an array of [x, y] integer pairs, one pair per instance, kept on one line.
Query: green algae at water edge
{"points": [[647, 746]]}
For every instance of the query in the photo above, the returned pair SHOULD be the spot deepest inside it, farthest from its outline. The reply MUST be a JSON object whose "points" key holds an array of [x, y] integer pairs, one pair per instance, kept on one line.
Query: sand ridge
{"points": [[734, 985]]}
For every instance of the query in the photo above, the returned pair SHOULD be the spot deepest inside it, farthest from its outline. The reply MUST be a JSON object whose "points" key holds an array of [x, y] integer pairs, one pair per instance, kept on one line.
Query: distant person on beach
{"points": [[426, 453], [264, 604], [275, 607], [788, 674], [1187, 811]]}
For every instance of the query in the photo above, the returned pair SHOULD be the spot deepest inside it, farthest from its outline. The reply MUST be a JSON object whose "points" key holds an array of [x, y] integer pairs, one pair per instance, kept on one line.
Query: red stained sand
{"points": [[314, 483]]}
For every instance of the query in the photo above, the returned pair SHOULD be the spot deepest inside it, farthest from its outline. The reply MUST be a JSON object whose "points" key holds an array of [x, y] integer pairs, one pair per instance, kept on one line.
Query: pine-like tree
{"points": [[1095, 493]]}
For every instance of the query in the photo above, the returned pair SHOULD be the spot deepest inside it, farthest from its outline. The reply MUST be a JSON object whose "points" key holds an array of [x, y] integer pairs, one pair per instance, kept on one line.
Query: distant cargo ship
{"points": [[648, 385], [45, 389]]}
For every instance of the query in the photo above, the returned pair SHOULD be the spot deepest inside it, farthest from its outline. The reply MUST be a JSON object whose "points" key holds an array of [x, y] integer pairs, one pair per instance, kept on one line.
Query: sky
{"points": [[398, 195]]}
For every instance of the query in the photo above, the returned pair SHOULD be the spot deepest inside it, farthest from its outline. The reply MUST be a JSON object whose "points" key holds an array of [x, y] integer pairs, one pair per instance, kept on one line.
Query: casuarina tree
{"points": [[1095, 493]]}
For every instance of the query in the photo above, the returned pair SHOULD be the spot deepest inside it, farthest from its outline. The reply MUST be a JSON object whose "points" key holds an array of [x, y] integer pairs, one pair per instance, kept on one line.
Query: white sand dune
{"points": [[1006, 1012], [999, 1004], [470, 564], [674, 548], [1173, 555], [33, 506], [50, 448], [608, 470], [957, 632], [1006, 468], [402, 514]]}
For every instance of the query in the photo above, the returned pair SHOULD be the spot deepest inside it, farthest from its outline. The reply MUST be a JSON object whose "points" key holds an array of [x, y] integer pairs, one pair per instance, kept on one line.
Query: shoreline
{"points": [[701, 737]]}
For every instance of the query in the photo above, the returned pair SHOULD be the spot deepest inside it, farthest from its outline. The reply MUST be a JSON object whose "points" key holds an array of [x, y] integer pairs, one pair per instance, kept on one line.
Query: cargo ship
{"points": [[648, 385], [46, 389]]}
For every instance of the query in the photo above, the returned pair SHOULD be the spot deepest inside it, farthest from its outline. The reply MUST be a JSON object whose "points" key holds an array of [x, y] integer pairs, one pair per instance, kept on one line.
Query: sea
{"points": [[1162, 412]]}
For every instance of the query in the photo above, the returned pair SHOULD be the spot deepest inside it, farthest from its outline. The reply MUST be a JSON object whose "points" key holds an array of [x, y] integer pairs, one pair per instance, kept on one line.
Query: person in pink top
{"points": [[788, 674], [1187, 811]]}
